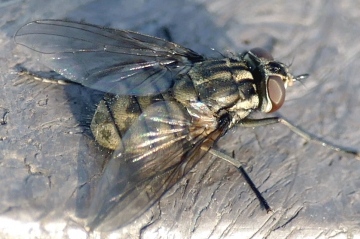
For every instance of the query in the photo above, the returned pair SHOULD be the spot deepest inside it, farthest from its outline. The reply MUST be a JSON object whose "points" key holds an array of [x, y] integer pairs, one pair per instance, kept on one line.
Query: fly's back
{"points": [[235, 87]]}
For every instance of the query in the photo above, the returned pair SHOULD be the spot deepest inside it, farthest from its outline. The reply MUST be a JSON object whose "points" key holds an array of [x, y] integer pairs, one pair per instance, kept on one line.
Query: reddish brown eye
{"points": [[262, 53], [276, 90]]}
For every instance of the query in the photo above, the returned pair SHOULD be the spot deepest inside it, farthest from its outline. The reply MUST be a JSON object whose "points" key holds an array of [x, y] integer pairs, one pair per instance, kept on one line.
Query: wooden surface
{"points": [[48, 163]]}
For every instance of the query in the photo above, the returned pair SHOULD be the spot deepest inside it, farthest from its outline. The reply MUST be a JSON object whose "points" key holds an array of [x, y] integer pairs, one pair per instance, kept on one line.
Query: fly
{"points": [[165, 107]]}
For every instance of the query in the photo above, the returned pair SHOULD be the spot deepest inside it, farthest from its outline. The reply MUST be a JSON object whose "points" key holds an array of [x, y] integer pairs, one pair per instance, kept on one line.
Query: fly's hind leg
{"points": [[47, 77]]}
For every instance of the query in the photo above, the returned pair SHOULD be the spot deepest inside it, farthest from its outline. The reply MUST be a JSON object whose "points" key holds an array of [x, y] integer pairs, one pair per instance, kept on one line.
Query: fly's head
{"points": [[271, 77]]}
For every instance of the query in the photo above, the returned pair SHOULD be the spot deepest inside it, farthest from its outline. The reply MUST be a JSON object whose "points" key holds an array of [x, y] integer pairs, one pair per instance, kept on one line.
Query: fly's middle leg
{"points": [[239, 166]]}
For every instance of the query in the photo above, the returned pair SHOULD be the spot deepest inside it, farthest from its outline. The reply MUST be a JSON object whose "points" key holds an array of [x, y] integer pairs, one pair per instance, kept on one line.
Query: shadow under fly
{"points": [[165, 107]]}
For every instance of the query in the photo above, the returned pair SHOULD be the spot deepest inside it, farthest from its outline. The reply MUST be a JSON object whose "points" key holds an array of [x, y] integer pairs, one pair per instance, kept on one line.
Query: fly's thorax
{"points": [[115, 114], [222, 85]]}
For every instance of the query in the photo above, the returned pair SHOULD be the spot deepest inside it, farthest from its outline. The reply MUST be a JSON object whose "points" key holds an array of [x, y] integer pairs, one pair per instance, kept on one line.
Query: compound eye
{"points": [[276, 90], [262, 53]]}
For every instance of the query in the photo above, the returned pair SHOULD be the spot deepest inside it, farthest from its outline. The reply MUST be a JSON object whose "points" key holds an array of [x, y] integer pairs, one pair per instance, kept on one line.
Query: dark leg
{"points": [[298, 131], [239, 166]]}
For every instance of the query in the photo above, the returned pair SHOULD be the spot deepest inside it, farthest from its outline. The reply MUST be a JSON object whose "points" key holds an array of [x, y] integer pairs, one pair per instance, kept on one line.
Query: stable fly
{"points": [[165, 106]]}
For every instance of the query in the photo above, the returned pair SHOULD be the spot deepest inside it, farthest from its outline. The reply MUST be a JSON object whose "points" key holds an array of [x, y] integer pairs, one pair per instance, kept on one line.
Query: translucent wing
{"points": [[105, 59], [160, 148]]}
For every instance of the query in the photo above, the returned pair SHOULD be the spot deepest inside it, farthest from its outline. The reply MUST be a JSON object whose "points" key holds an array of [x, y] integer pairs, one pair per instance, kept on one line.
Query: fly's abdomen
{"points": [[115, 114]]}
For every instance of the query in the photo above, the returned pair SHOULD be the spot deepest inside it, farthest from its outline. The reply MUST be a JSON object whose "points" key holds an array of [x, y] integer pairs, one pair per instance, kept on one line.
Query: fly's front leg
{"points": [[298, 131], [240, 168]]}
